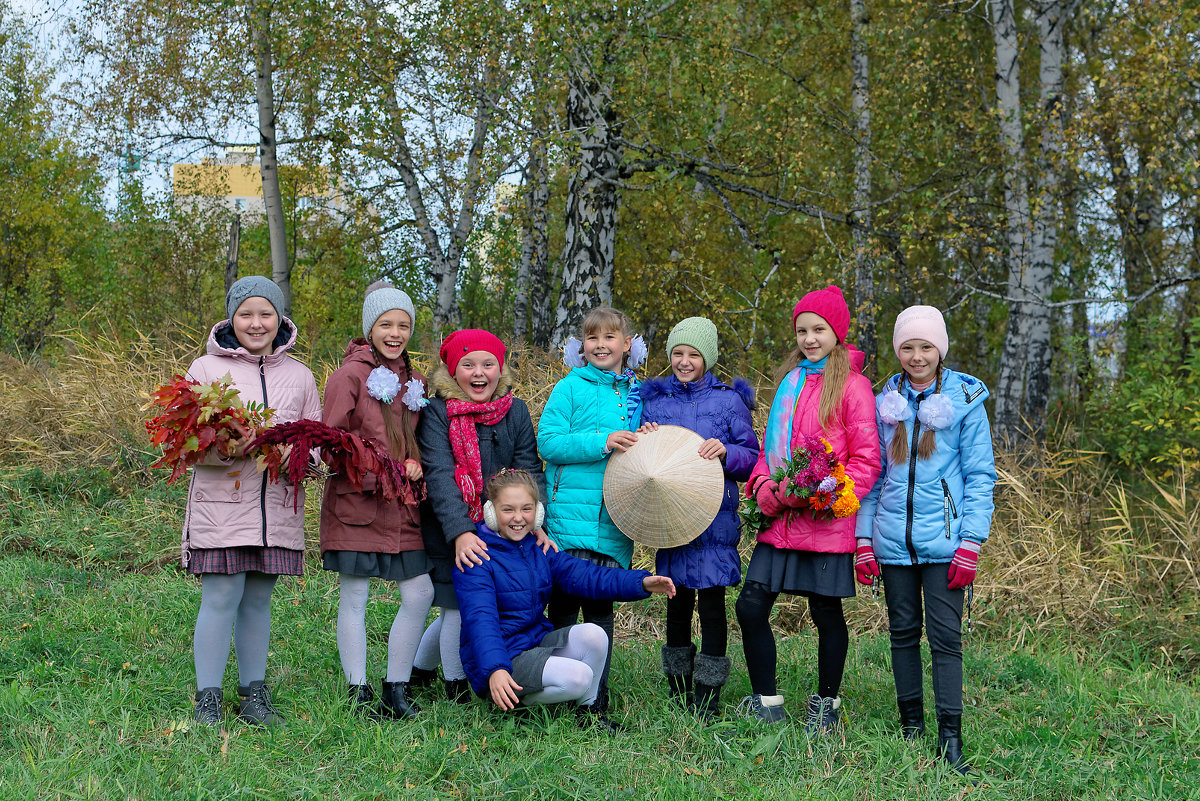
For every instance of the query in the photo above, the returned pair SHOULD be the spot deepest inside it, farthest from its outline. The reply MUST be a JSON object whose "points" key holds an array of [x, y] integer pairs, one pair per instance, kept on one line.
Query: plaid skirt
{"points": [[246, 559]]}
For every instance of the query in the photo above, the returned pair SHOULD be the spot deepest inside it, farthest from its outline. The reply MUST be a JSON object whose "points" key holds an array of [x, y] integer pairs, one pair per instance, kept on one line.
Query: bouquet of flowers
{"points": [[813, 475], [345, 453], [198, 418]]}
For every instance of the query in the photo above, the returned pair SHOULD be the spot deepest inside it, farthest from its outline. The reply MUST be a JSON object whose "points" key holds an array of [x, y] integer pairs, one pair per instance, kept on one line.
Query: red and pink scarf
{"points": [[464, 444]]}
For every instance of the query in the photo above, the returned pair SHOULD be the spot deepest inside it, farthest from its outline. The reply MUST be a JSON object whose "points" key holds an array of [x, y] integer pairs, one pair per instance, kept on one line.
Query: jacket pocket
{"points": [[557, 478], [352, 507]]}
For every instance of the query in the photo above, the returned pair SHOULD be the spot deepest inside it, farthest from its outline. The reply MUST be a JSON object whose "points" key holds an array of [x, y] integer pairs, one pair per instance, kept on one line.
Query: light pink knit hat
{"points": [[921, 322]]}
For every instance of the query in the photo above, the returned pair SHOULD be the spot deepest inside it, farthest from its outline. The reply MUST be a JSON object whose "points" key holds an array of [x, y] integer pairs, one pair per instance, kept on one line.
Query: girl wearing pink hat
{"points": [[927, 517], [822, 392]]}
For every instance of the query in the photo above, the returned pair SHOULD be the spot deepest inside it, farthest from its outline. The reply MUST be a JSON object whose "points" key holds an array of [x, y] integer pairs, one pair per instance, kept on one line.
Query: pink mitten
{"points": [[865, 566], [963, 568], [766, 493]]}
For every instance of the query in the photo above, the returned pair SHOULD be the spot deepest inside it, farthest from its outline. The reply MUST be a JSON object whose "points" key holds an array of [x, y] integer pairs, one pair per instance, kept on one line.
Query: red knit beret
{"points": [[830, 305], [466, 340]]}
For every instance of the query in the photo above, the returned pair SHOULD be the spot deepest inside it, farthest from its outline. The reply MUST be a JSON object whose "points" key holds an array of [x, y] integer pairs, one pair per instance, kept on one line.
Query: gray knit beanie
{"points": [[699, 333], [253, 286], [381, 298]]}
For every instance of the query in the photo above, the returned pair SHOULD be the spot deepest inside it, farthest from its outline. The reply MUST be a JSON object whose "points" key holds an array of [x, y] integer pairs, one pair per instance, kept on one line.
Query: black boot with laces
{"points": [[255, 706], [208, 707]]}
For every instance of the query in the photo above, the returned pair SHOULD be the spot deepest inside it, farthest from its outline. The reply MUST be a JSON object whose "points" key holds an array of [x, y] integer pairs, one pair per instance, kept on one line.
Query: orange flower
{"points": [[845, 505]]}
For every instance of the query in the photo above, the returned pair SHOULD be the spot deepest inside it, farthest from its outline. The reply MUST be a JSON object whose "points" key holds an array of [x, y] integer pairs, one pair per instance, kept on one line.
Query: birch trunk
{"points": [[231, 254], [592, 204], [1010, 384], [864, 267], [533, 291], [281, 266]]}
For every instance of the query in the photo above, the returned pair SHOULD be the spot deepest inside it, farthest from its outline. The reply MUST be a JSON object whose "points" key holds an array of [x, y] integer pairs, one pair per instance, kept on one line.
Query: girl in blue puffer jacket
{"points": [[927, 516], [510, 651], [692, 397], [593, 411]]}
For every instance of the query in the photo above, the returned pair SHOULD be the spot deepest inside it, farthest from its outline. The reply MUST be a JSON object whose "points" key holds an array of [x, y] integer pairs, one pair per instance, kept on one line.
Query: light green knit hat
{"points": [[699, 333]]}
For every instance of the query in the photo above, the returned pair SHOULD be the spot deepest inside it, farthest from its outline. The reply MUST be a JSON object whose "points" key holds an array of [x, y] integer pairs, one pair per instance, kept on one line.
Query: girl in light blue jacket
{"points": [[592, 412], [926, 518]]}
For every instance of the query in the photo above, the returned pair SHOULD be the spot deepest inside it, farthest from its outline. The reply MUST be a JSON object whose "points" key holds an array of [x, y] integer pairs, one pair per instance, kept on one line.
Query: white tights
{"points": [[416, 596], [440, 644], [573, 672]]}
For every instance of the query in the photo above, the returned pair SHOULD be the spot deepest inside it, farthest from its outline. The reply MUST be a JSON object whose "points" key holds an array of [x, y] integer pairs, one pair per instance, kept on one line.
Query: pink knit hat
{"points": [[830, 305], [466, 340], [921, 322]]}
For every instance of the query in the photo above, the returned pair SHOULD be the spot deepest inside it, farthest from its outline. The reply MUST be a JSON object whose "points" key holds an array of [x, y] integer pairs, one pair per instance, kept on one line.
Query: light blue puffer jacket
{"points": [[920, 511], [585, 407]]}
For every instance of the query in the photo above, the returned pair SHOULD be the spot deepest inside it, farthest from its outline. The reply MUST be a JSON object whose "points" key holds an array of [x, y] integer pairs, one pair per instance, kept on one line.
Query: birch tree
{"points": [[860, 109]]}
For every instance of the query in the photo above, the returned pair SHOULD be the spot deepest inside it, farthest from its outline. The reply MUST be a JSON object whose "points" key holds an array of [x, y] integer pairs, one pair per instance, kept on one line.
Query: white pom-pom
{"points": [[573, 353], [637, 352], [893, 408], [937, 412], [414, 395]]}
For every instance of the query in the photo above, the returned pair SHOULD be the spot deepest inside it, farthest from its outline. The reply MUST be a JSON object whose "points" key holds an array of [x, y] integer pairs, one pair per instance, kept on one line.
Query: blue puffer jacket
{"points": [[585, 407], [920, 511], [503, 600], [713, 410]]}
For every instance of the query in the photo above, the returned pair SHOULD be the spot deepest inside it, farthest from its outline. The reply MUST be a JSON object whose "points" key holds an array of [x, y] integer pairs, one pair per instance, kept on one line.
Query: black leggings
{"points": [[833, 639], [714, 628]]}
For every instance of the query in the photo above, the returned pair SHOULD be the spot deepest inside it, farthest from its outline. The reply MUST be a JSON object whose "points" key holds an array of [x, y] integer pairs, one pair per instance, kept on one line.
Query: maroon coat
{"points": [[364, 521]]}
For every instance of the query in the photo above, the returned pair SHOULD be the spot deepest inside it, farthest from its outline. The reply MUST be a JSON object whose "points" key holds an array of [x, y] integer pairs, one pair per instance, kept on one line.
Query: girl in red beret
{"points": [[472, 427]]}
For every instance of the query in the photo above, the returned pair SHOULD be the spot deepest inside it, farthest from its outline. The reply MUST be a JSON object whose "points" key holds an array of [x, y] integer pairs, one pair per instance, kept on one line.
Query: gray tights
{"points": [[239, 603], [416, 596]]}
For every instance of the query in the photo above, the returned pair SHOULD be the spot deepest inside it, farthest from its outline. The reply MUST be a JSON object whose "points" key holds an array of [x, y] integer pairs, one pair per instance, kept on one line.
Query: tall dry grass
{"points": [[1076, 546]]}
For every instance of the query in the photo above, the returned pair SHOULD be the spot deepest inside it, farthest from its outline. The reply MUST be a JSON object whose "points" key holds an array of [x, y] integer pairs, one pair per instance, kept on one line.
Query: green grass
{"points": [[96, 686]]}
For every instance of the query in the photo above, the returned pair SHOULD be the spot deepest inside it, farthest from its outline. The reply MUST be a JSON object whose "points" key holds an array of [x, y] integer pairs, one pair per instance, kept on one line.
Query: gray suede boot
{"points": [[677, 665], [712, 672]]}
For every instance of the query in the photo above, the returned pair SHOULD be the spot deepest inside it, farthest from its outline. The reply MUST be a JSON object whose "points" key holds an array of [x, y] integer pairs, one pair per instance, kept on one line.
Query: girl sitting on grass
{"points": [[510, 651]]}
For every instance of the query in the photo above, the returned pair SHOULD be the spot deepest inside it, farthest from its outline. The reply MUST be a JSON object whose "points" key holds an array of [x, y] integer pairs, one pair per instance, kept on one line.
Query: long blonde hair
{"points": [[837, 372], [898, 449]]}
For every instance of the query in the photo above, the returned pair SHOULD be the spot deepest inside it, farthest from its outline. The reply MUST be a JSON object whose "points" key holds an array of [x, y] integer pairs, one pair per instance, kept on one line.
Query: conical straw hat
{"points": [[660, 492]]}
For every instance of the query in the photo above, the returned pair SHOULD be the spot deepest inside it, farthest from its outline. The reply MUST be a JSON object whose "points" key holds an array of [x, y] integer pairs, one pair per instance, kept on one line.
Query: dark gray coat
{"points": [[509, 443]]}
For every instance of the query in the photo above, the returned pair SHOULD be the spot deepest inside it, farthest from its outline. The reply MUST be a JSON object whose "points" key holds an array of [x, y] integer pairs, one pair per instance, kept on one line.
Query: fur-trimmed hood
{"points": [[670, 385], [442, 385]]}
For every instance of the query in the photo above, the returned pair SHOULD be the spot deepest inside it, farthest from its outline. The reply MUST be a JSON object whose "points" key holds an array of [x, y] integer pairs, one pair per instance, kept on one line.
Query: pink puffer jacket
{"points": [[855, 441], [230, 503]]}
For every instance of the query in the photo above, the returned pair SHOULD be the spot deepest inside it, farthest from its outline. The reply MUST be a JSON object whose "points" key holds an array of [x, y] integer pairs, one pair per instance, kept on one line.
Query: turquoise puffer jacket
{"points": [[920, 511], [585, 407]]}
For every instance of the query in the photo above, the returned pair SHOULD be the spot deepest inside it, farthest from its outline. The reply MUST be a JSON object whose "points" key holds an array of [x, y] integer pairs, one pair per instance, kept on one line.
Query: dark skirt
{"points": [[387, 566], [802, 572], [246, 559], [595, 557], [528, 666]]}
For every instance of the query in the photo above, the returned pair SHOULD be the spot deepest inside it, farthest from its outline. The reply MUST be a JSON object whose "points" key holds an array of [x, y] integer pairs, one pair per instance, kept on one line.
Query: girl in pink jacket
{"points": [[240, 532], [821, 393]]}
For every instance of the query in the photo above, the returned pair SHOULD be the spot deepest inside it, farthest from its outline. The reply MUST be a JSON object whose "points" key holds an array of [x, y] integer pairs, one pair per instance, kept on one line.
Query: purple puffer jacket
{"points": [[711, 409], [230, 503]]}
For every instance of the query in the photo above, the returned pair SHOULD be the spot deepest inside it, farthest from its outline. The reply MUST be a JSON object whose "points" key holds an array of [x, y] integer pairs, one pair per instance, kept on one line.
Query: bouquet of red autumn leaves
{"points": [[813, 475], [197, 419]]}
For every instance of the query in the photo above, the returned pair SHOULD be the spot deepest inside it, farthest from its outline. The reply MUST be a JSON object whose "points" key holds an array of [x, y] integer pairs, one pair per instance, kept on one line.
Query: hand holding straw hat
{"points": [[661, 492]]}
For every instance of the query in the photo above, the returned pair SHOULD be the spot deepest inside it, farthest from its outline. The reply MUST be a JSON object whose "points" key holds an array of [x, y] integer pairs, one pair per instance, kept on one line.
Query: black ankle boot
{"points": [[712, 672], [458, 691], [592, 717], [395, 702], [362, 701], [422, 678], [950, 742], [677, 664], [912, 718], [255, 706], [208, 707]]}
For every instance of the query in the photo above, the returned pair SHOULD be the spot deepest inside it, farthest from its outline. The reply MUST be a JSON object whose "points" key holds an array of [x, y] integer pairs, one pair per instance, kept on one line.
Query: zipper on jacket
{"points": [[557, 479], [262, 495], [949, 503], [912, 481]]}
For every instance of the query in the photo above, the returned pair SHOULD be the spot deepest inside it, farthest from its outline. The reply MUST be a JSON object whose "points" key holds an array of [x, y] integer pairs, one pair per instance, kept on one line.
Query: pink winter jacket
{"points": [[855, 442], [230, 503]]}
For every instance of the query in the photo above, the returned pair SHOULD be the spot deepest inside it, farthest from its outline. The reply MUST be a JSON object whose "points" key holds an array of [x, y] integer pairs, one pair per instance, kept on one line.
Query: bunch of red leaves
{"points": [[198, 418], [347, 454]]}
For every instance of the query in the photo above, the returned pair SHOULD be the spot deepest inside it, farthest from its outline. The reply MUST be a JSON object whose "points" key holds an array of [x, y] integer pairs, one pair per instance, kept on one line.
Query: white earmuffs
{"points": [[489, 516]]}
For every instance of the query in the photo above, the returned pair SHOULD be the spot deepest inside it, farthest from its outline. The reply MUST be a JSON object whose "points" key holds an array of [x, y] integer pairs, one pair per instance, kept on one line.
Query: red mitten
{"points": [[766, 494], [865, 566], [789, 500], [963, 567]]}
